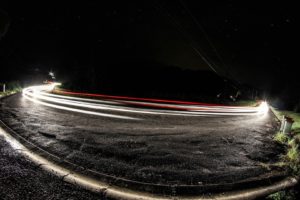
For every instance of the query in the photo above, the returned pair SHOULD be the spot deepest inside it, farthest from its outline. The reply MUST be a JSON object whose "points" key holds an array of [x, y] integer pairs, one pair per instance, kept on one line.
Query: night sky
{"points": [[252, 42]]}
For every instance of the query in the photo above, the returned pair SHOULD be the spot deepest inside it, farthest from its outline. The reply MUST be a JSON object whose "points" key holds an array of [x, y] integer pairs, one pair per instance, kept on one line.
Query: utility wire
{"points": [[205, 34], [191, 42]]}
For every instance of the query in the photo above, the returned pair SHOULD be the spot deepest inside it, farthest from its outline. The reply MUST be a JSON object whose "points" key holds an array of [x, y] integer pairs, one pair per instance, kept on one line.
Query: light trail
{"points": [[185, 105], [135, 98], [32, 93], [41, 95], [60, 99]]}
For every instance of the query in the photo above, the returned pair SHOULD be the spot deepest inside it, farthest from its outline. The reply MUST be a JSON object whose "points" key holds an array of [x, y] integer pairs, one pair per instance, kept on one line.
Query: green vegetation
{"points": [[292, 156], [295, 116], [291, 141], [11, 87], [281, 138], [283, 195], [293, 153]]}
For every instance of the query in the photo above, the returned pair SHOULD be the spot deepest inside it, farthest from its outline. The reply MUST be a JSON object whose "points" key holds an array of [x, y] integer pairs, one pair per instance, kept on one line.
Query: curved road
{"points": [[162, 144]]}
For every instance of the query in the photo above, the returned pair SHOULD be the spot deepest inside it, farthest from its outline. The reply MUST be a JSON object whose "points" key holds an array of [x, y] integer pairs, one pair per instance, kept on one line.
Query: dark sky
{"points": [[253, 42]]}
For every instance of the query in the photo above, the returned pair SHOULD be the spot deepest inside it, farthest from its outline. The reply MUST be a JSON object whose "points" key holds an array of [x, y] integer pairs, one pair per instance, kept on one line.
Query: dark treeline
{"points": [[152, 80]]}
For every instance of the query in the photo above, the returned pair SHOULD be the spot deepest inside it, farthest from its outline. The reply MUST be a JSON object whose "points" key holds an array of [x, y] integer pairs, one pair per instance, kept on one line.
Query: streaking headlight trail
{"points": [[33, 94], [41, 95]]}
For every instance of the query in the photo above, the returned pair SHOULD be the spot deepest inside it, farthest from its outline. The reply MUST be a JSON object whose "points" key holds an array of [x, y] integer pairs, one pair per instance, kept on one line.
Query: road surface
{"points": [[166, 147], [20, 179]]}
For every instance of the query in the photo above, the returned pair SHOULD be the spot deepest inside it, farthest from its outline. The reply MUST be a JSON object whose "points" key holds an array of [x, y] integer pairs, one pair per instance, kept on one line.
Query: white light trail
{"points": [[32, 94], [38, 94]]}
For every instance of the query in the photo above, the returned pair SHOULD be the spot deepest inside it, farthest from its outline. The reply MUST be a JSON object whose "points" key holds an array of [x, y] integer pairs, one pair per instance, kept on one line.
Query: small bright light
{"points": [[263, 108], [51, 74]]}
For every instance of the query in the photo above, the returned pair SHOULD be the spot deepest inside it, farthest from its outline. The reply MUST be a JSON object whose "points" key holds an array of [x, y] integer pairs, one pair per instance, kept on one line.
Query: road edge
{"points": [[115, 192]]}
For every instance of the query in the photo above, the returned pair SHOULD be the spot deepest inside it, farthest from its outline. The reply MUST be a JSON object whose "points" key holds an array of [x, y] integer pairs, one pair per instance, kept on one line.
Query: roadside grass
{"points": [[292, 157], [12, 87], [281, 138], [9, 92], [295, 116], [283, 195], [293, 151]]}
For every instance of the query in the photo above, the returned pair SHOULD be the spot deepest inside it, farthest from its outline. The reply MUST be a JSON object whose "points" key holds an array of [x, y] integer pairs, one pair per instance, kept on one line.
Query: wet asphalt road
{"points": [[160, 149], [21, 179]]}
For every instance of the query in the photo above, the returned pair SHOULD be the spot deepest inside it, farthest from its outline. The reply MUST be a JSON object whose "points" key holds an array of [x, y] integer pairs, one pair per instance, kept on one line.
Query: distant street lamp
{"points": [[52, 74]]}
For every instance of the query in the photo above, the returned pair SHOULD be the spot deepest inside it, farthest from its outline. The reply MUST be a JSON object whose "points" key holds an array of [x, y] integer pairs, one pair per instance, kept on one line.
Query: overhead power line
{"points": [[191, 42], [198, 24]]}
